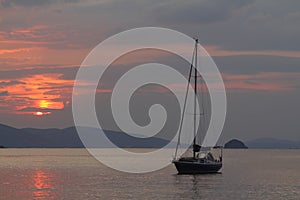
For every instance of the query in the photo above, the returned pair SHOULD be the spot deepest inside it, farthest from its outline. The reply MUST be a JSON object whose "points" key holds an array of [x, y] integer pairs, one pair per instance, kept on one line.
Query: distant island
{"points": [[1, 147], [235, 144]]}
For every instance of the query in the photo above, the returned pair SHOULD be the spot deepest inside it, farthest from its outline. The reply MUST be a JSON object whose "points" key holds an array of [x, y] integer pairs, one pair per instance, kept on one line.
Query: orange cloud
{"points": [[218, 51], [34, 94], [267, 81], [9, 51], [38, 45]]}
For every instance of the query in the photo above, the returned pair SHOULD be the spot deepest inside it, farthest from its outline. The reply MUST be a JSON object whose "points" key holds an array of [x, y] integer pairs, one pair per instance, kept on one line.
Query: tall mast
{"points": [[195, 99]]}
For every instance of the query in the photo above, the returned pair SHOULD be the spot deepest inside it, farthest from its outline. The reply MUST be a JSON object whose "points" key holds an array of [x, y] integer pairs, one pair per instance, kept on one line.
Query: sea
{"points": [[74, 174]]}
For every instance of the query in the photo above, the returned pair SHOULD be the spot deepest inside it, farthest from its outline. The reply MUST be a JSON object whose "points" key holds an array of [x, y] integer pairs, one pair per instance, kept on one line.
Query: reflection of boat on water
{"points": [[203, 159]]}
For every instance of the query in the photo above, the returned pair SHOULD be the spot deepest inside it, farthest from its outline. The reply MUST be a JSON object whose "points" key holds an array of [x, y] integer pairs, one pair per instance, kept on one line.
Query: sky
{"points": [[254, 43]]}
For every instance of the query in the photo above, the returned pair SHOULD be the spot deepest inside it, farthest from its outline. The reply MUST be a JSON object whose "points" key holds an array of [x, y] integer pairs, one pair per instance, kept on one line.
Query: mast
{"points": [[195, 99]]}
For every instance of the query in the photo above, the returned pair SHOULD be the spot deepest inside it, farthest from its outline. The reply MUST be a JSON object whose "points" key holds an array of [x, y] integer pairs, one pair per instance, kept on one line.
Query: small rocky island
{"points": [[235, 144]]}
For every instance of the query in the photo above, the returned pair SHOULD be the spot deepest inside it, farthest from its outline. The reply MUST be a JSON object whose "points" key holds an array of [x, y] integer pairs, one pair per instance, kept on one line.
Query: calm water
{"points": [[73, 174]]}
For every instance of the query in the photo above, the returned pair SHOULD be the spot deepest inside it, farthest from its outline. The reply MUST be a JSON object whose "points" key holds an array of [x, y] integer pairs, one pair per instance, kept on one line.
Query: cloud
{"points": [[35, 91], [205, 11], [253, 64], [10, 3], [235, 25], [34, 109], [11, 83], [9, 51], [12, 75], [27, 37], [267, 82], [4, 93], [31, 3], [218, 51]]}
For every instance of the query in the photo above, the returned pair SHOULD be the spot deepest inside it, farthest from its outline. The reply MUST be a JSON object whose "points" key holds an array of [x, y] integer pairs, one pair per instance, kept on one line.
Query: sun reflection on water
{"points": [[45, 185]]}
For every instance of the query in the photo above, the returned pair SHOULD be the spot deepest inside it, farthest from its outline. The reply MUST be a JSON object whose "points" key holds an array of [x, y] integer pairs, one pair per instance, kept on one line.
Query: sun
{"points": [[40, 114]]}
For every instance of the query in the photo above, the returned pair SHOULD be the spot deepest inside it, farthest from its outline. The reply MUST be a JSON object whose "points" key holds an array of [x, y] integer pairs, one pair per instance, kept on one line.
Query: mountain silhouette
{"points": [[68, 138], [272, 143]]}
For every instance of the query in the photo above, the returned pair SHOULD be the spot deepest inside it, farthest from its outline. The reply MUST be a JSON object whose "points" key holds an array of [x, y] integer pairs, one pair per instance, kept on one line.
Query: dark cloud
{"points": [[3, 93], [207, 11], [10, 83], [252, 64], [68, 73], [236, 25], [232, 25], [57, 87], [32, 109], [9, 3], [30, 3]]}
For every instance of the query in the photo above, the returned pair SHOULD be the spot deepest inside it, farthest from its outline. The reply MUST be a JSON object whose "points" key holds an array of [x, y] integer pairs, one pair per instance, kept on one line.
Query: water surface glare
{"points": [[74, 174]]}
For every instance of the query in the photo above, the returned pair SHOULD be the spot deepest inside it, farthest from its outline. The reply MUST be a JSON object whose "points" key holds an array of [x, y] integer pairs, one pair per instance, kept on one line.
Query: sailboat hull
{"points": [[195, 167]]}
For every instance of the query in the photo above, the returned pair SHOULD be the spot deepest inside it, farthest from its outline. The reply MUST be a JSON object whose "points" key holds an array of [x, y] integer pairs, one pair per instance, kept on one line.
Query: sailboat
{"points": [[202, 160]]}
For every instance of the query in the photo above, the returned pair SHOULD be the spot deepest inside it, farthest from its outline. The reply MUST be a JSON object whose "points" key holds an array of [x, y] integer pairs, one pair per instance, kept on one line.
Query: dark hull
{"points": [[188, 167]]}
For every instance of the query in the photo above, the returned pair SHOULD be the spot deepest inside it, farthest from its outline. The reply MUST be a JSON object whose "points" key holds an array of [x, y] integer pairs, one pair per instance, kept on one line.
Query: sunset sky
{"points": [[254, 43]]}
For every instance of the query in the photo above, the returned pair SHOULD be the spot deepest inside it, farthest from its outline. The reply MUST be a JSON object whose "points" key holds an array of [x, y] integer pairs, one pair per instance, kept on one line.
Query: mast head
{"points": [[196, 40]]}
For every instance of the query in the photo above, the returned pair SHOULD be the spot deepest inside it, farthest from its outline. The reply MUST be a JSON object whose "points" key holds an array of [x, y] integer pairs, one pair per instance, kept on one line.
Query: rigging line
{"points": [[184, 105], [195, 98]]}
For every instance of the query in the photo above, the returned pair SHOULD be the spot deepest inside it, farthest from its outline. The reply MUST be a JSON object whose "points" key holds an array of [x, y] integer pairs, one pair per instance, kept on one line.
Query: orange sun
{"points": [[40, 114]]}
